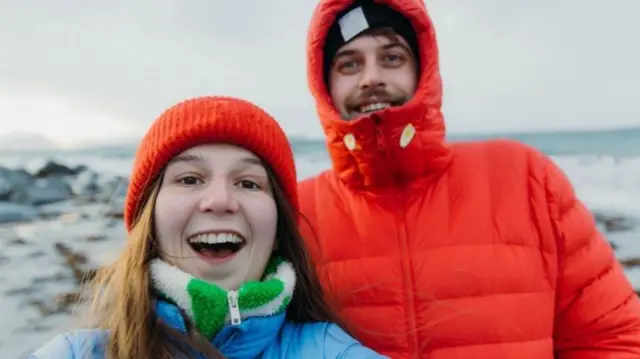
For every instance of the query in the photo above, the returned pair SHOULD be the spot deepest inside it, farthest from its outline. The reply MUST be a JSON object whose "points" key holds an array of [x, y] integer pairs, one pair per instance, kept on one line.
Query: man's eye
{"points": [[348, 66]]}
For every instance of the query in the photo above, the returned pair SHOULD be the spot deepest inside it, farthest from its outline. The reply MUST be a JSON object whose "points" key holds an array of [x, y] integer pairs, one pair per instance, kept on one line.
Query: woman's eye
{"points": [[189, 180], [247, 184]]}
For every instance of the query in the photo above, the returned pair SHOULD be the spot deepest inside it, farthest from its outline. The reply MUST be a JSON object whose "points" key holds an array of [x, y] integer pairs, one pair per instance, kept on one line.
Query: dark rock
{"points": [[69, 254], [68, 299], [17, 241], [115, 188], [80, 169], [44, 309], [76, 261], [62, 303], [630, 262], [55, 169], [614, 223], [36, 254], [617, 225], [51, 278], [16, 213], [10, 179], [115, 214], [97, 238], [20, 291], [613, 245], [42, 191], [87, 184]]}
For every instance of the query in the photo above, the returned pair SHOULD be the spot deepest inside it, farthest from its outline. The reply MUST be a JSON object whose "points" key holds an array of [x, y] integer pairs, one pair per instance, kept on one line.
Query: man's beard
{"points": [[354, 103]]}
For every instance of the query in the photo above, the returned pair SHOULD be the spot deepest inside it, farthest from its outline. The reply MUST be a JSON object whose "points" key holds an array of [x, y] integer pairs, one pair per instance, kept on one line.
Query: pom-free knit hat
{"points": [[211, 119]]}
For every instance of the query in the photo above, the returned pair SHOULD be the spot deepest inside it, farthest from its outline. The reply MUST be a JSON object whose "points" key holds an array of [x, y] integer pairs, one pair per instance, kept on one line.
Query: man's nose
{"points": [[371, 76], [219, 198]]}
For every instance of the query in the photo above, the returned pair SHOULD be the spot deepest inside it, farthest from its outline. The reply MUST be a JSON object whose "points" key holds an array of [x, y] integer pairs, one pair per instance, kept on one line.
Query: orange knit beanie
{"points": [[209, 120]]}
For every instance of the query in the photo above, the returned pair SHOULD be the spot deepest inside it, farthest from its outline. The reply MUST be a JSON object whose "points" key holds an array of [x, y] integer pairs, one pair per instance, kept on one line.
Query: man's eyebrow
{"points": [[396, 44], [345, 52]]}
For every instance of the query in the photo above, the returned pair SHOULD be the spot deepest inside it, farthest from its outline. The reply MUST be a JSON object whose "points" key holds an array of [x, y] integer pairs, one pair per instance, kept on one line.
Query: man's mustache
{"points": [[379, 93]]}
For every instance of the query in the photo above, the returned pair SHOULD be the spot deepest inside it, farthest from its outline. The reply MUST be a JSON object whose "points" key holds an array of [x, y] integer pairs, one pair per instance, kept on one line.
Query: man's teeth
{"points": [[374, 107], [216, 238]]}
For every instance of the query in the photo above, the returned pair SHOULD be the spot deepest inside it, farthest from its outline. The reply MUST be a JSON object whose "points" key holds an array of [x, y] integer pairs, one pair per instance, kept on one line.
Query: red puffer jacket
{"points": [[472, 250]]}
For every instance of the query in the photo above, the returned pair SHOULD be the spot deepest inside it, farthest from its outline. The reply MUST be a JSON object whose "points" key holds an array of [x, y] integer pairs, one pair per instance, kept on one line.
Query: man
{"points": [[437, 250]]}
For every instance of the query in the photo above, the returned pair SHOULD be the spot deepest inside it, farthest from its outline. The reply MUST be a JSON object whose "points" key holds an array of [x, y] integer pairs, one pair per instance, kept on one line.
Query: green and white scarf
{"points": [[211, 307]]}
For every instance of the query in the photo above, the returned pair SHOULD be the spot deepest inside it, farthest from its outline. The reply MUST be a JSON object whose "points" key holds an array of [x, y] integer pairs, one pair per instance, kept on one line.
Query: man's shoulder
{"points": [[322, 176], [318, 184], [506, 146], [506, 155]]}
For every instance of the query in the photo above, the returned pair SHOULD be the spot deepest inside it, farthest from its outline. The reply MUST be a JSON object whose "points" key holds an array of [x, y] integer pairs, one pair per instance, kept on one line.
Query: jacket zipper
{"points": [[381, 141], [234, 310], [234, 314]]}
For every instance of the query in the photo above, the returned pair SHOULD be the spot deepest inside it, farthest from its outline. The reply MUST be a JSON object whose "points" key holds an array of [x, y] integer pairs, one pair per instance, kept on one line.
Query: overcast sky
{"points": [[78, 70]]}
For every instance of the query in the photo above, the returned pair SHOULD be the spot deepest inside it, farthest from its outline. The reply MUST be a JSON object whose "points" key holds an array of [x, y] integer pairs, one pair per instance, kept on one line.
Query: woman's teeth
{"points": [[211, 238], [216, 246], [374, 107]]}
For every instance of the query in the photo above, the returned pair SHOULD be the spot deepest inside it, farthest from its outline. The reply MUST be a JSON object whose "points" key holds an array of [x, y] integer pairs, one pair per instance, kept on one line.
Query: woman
{"points": [[214, 266]]}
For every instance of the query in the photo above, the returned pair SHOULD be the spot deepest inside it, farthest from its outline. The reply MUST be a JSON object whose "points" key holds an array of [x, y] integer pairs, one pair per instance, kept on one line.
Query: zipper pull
{"points": [[234, 310], [380, 140]]}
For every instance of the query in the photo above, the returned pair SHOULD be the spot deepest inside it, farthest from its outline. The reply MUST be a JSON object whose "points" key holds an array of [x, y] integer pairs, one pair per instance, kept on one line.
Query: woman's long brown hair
{"points": [[123, 298]]}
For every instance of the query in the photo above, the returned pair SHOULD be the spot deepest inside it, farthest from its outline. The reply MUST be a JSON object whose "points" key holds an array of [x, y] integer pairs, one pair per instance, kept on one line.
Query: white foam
{"points": [[605, 183]]}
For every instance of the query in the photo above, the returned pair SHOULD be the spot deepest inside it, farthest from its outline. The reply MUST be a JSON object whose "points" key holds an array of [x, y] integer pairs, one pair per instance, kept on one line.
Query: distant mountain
{"points": [[25, 141], [108, 143]]}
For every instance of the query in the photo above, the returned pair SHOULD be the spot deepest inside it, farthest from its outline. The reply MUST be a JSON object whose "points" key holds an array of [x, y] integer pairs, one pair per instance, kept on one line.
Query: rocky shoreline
{"points": [[23, 193], [58, 225]]}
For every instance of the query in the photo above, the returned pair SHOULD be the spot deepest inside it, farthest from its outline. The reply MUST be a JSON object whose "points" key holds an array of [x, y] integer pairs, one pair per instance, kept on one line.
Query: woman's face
{"points": [[215, 214]]}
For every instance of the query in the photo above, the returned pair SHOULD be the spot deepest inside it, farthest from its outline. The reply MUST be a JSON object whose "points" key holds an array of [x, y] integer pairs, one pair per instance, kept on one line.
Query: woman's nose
{"points": [[219, 198]]}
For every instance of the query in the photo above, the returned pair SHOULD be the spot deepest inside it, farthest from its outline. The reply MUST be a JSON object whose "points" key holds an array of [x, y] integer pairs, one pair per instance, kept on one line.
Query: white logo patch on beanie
{"points": [[353, 23]]}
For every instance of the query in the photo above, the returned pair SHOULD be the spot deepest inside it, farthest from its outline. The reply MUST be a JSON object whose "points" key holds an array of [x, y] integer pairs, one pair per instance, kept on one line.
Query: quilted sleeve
{"points": [[340, 345], [57, 348], [597, 310]]}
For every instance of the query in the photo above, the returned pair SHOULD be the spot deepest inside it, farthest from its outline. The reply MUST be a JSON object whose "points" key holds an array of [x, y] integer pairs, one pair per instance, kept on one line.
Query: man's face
{"points": [[374, 71]]}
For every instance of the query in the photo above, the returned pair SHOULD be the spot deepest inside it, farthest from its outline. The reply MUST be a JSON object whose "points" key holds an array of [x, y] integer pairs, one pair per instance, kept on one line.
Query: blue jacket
{"points": [[258, 337]]}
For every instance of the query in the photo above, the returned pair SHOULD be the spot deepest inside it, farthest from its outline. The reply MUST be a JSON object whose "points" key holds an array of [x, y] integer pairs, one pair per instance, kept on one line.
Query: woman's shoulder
{"points": [[321, 340], [83, 343]]}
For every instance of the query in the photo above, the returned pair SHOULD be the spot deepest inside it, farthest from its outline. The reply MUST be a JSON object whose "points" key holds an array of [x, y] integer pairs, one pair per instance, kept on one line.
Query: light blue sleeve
{"points": [[340, 345], [78, 344], [57, 348]]}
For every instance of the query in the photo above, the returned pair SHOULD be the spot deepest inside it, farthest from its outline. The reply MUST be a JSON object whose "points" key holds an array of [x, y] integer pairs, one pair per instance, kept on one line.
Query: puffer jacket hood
{"points": [[393, 146], [474, 249]]}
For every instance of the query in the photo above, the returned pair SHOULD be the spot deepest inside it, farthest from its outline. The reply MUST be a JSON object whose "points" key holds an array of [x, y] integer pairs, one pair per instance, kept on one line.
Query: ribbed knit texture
{"points": [[207, 304], [211, 119]]}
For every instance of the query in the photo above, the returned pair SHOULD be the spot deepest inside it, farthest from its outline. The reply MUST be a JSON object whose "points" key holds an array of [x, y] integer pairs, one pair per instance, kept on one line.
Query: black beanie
{"points": [[361, 16]]}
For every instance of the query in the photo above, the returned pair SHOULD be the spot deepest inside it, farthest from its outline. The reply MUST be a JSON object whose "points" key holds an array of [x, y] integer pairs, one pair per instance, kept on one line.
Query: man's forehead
{"points": [[374, 38]]}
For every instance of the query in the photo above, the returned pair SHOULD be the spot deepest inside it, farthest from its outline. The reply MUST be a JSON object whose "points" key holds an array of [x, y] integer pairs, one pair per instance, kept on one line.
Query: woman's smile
{"points": [[217, 246]]}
